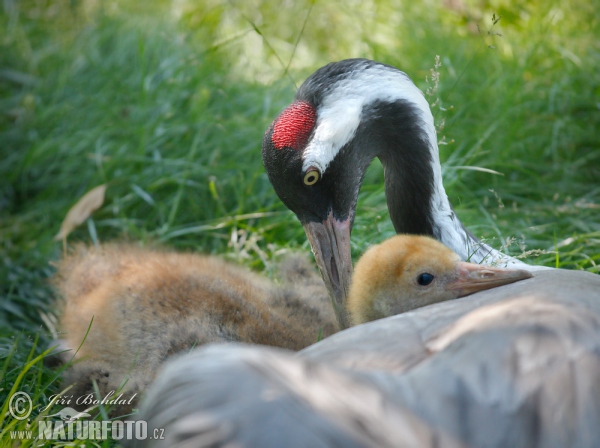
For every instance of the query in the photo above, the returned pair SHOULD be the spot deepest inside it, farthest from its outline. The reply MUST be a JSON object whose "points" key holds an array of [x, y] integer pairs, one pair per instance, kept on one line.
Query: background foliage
{"points": [[167, 103]]}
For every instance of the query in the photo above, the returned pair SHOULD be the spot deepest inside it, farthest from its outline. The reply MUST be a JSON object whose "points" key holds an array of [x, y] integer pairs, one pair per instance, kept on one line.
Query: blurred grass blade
{"points": [[477, 168]]}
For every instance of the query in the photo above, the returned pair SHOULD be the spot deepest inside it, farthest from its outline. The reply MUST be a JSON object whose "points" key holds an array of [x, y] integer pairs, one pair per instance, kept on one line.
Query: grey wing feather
{"points": [[260, 397]]}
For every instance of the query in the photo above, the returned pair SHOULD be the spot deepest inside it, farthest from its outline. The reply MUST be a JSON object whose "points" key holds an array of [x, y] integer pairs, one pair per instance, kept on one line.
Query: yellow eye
{"points": [[311, 177]]}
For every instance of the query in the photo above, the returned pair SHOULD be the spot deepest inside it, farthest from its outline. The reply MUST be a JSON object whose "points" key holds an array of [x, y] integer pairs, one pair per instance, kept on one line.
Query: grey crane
{"points": [[517, 365]]}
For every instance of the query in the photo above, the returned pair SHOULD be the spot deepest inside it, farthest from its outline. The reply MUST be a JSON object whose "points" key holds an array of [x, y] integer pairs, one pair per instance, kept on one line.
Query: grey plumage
{"points": [[253, 396], [514, 366]]}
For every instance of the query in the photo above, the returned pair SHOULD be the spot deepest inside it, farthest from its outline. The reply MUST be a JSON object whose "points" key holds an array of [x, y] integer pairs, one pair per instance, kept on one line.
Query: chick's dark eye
{"points": [[425, 279]]}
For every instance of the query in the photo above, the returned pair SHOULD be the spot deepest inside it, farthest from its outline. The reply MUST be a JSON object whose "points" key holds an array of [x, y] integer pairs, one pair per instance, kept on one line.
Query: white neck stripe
{"points": [[339, 115]]}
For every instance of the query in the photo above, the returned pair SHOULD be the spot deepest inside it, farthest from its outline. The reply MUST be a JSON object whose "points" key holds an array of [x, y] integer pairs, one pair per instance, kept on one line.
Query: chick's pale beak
{"points": [[330, 243], [475, 277]]}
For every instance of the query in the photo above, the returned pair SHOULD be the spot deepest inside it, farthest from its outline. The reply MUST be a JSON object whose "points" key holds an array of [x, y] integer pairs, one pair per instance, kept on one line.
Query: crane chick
{"points": [[147, 305], [407, 272]]}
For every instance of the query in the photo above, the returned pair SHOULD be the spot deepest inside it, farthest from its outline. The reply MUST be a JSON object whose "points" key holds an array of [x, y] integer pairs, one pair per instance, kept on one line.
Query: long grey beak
{"points": [[330, 243], [475, 277]]}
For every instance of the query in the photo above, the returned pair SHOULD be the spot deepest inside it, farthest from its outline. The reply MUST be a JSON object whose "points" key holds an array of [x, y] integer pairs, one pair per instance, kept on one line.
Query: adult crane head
{"points": [[316, 153]]}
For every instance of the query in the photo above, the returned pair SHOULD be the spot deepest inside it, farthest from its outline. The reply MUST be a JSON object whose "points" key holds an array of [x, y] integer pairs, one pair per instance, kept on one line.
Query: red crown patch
{"points": [[294, 125]]}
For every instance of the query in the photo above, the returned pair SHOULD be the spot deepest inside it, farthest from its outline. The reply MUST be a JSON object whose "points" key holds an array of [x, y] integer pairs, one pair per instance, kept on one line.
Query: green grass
{"points": [[169, 110]]}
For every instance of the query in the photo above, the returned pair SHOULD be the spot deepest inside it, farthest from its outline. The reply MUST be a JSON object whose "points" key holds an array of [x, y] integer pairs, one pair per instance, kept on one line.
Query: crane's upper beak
{"points": [[472, 278], [330, 243]]}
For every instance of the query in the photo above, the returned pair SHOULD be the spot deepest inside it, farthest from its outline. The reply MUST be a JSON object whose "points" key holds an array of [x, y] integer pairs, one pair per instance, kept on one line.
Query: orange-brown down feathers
{"points": [[148, 305]]}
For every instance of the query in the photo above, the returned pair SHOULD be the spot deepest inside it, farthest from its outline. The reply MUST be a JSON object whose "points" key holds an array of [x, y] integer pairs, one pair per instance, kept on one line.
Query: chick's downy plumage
{"points": [[147, 305], [408, 271]]}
